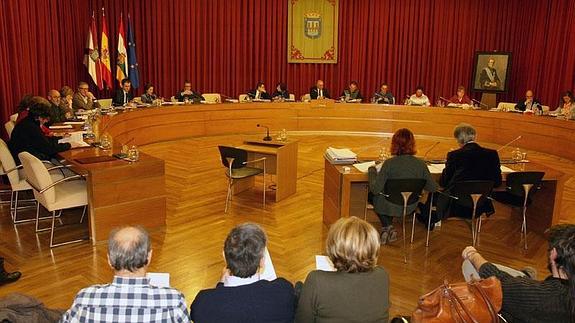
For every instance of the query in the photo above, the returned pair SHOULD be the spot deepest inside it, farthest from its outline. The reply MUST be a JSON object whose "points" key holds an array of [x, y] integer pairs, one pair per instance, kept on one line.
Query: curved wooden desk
{"points": [[149, 125]]}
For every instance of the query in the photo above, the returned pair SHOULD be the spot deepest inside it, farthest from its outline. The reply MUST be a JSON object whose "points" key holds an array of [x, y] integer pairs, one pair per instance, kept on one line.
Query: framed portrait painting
{"points": [[491, 72]]}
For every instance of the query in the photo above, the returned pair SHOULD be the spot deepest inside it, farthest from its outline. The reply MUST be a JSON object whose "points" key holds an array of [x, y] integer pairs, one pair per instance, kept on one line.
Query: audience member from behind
{"points": [[526, 300], [242, 295], [28, 136], [470, 162], [403, 164], [84, 99], [418, 98], [130, 297], [358, 291]]}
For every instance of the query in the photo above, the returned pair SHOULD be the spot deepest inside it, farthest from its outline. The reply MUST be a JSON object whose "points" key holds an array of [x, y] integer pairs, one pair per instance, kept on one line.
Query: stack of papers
{"points": [[340, 156], [363, 167], [76, 138], [68, 126], [436, 168]]}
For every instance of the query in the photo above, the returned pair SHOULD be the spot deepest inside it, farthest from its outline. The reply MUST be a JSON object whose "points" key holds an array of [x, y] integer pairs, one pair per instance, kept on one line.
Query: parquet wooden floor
{"points": [[189, 246]]}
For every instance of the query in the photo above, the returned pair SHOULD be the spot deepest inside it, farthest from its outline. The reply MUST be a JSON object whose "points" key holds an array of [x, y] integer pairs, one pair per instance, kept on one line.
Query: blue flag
{"points": [[133, 72]]}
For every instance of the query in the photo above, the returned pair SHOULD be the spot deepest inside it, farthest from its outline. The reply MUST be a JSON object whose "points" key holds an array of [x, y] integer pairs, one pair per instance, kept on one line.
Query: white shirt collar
{"points": [[233, 281]]}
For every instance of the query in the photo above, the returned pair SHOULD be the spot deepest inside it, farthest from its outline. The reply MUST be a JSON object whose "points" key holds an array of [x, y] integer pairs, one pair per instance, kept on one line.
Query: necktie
{"points": [[320, 93]]}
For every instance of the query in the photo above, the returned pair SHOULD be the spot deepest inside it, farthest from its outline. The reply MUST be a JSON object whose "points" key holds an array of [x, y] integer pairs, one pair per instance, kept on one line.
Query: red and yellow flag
{"points": [[105, 56], [122, 63]]}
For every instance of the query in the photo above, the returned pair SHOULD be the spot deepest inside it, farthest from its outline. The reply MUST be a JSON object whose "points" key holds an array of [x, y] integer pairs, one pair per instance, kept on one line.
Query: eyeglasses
{"points": [[84, 88]]}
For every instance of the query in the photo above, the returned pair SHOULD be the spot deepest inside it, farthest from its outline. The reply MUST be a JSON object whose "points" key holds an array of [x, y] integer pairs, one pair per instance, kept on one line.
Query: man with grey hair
{"points": [[242, 295], [130, 297], [469, 162]]}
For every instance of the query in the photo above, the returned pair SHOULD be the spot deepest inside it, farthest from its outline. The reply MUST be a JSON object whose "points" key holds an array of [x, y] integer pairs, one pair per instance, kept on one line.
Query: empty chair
{"points": [[473, 195], [212, 97], [236, 161], [520, 188], [404, 192], [243, 98], [66, 193], [9, 127]]}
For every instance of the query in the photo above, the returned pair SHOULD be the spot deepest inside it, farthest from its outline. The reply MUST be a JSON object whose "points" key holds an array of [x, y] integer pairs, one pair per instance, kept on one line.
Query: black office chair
{"points": [[404, 192], [235, 160], [474, 195], [520, 188]]}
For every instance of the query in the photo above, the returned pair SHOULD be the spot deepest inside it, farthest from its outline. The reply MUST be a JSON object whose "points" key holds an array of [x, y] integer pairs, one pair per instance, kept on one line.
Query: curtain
{"points": [[228, 46]]}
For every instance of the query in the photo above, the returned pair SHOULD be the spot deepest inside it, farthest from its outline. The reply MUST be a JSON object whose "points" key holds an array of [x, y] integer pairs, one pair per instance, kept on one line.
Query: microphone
{"points": [[444, 99], [430, 149], [509, 143], [267, 137], [480, 103]]}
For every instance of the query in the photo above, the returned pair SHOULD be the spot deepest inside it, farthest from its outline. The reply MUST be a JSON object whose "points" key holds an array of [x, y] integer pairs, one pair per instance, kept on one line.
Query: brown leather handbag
{"points": [[475, 302]]}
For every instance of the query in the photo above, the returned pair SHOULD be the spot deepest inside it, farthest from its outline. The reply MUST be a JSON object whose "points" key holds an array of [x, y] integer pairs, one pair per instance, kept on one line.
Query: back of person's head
{"points": [[403, 143], [352, 245], [24, 103], [464, 133], [39, 107], [565, 261], [129, 248], [244, 249]]}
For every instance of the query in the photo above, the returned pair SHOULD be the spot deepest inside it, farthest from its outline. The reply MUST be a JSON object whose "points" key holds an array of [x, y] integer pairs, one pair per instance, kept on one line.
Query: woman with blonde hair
{"points": [[358, 289]]}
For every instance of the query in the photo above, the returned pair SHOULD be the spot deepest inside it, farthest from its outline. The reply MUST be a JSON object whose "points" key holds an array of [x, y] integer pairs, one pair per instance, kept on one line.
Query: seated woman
{"points": [[67, 94], [259, 93], [352, 92], [28, 136], [419, 99], [567, 107], [403, 164], [384, 96], [281, 92], [358, 290], [149, 96]]}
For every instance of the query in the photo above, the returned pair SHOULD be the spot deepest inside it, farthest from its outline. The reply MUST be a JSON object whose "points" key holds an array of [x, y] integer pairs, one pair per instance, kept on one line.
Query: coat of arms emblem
{"points": [[312, 25]]}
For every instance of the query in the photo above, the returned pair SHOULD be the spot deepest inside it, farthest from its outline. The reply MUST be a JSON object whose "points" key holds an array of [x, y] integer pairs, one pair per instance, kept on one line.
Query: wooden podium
{"points": [[281, 160]]}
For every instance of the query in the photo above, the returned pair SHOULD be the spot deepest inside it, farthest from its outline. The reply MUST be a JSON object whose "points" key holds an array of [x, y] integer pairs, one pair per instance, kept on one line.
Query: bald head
{"points": [[54, 96], [529, 95], [319, 84], [129, 249]]}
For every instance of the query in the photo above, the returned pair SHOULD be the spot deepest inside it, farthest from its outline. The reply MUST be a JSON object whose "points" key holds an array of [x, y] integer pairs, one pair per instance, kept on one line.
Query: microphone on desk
{"points": [[480, 103], [267, 137], [430, 149], [444, 99], [509, 143]]}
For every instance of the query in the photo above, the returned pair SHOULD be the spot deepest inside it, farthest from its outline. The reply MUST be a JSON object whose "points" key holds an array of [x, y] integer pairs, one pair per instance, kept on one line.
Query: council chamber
{"points": [[287, 161]]}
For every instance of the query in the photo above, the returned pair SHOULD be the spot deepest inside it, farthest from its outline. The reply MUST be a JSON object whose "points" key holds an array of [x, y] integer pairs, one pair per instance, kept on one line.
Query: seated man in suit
{"points": [[124, 95], [319, 91], [469, 162], [57, 113], [187, 95], [259, 93], [242, 295], [529, 104], [130, 297], [84, 99], [352, 92]]}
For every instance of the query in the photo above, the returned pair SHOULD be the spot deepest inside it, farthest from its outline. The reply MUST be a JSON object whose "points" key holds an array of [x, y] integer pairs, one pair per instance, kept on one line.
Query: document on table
{"points": [[363, 167], [159, 279], [323, 263], [75, 137], [269, 270], [61, 127], [438, 169], [506, 170], [74, 122]]}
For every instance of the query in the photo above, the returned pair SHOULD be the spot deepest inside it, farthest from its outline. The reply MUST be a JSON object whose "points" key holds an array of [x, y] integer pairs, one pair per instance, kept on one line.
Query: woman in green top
{"points": [[358, 289], [402, 165]]}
